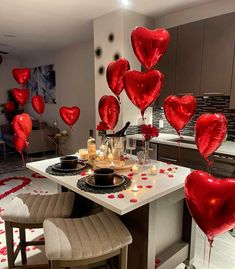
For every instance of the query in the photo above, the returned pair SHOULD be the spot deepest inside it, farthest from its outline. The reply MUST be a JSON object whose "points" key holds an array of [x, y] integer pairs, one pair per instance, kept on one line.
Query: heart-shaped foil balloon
{"points": [[109, 110], [210, 131], [21, 75], [149, 45], [22, 126], [21, 96], [211, 202], [70, 114], [114, 75], [143, 88], [38, 104], [179, 110]]}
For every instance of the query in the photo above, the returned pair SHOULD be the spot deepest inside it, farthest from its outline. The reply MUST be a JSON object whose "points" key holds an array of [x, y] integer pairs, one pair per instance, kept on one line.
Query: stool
{"points": [[84, 241], [27, 211]]}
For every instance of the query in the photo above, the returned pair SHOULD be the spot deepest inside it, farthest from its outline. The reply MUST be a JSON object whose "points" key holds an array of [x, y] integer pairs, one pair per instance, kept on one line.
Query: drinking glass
{"points": [[130, 144]]}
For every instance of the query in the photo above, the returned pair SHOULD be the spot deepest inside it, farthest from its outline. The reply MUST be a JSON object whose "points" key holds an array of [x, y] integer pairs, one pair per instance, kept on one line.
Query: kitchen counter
{"points": [[227, 148]]}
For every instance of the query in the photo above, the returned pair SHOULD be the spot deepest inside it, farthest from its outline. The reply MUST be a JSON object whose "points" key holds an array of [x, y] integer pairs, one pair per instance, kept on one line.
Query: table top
{"points": [[153, 186]]}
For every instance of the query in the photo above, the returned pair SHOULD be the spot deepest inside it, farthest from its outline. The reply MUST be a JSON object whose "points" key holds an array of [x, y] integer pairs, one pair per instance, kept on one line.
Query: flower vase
{"points": [[146, 151]]}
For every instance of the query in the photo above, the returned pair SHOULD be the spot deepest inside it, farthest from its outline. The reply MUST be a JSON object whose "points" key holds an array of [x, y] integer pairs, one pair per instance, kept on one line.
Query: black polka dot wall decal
{"points": [[116, 56], [101, 70], [98, 52], [111, 37]]}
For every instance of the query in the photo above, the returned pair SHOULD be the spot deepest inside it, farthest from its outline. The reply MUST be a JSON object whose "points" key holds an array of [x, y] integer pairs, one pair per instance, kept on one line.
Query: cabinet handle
{"points": [[213, 93], [167, 160], [185, 93]]}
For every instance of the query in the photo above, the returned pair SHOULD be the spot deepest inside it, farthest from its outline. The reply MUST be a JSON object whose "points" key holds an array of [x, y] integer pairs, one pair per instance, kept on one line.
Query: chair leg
{"points": [[54, 264], [123, 258], [10, 244], [23, 246]]}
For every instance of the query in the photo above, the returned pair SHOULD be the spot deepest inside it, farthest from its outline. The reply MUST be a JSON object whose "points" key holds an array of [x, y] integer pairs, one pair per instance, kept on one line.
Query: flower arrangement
{"points": [[149, 131], [102, 127]]}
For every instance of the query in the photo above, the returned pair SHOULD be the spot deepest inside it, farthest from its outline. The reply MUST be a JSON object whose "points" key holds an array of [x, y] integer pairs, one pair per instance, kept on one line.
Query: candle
{"points": [[135, 169], [135, 188], [153, 170], [89, 172], [101, 156], [110, 157], [83, 154], [112, 164]]}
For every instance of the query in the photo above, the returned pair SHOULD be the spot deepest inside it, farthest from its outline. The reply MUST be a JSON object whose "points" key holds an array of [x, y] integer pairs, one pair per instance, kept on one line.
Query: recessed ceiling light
{"points": [[125, 2], [9, 35]]}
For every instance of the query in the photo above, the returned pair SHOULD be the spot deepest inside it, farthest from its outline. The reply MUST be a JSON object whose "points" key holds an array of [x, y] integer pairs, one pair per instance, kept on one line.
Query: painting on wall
{"points": [[42, 81]]}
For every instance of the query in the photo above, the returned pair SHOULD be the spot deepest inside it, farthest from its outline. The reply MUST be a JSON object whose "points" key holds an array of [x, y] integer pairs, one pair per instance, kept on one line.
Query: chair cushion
{"points": [[28, 208], [84, 238]]}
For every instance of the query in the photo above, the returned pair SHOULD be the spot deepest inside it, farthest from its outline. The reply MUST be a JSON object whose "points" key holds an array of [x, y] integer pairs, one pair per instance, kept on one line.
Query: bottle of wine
{"points": [[122, 131], [91, 146]]}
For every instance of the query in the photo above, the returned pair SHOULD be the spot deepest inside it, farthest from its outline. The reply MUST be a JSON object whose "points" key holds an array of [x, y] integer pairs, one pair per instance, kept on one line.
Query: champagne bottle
{"points": [[121, 132], [91, 146]]}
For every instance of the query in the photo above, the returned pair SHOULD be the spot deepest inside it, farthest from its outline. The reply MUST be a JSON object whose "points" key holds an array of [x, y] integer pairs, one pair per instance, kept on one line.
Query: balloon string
{"points": [[179, 144], [204, 255], [28, 151], [210, 245], [23, 161], [40, 125]]}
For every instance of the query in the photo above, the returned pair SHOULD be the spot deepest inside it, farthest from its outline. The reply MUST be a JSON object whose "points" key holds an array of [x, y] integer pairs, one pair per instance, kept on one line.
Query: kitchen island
{"points": [[156, 214]]}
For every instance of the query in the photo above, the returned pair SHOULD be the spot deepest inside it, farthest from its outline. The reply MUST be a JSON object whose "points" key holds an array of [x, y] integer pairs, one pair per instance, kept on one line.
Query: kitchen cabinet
{"points": [[189, 58], [167, 67], [232, 98], [217, 60]]}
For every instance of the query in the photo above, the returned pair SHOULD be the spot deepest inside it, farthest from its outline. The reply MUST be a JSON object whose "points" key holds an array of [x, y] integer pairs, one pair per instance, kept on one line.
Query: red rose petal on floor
{"points": [[148, 186], [27, 249], [140, 187], [133, 200], [144, 178], [2, 231], [170, 176], [83, 173], [169, 169], [3, 251], [130, 175], [143, 175], [46, 191], [34, 247], [3, 260], [162, 171], [157, 261], [168, 163], [121, 196], [111, 196], [35, 191]]}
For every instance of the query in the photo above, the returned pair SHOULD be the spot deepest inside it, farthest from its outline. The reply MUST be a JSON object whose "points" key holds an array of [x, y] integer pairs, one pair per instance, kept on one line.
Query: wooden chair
{"points": [[86, 241], [28, 211]]}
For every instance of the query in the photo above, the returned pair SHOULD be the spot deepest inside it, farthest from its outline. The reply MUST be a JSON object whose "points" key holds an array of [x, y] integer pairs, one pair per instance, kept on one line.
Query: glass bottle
{"points": [[91, 146]]}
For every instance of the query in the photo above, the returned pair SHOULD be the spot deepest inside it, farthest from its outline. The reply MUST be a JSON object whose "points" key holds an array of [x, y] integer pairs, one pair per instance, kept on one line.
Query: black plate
{"points": [[57, 167], [118, 181]]}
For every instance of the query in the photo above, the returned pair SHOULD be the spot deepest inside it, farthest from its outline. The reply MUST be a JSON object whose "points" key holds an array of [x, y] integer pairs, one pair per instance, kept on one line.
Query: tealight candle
{"points": [[135, 188], [110, 157], [83, 154], [135, 169], [112, 164], [89, 172], [153, 170]]}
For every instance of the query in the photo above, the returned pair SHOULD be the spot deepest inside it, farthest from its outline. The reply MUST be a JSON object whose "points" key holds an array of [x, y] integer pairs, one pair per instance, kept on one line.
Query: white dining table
{"points": [[156, 214]]}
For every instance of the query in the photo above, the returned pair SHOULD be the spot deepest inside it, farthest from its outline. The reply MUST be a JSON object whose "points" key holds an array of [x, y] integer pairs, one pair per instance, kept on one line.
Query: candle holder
{"points": [[135, 169], [153, 170]]}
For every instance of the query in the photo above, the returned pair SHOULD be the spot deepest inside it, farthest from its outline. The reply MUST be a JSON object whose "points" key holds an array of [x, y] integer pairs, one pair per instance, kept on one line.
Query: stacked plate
{"points": [[57, 167]]}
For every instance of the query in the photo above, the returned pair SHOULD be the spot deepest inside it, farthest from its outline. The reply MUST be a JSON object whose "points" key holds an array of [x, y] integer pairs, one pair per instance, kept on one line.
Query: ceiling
{"points": [[31, 26]]}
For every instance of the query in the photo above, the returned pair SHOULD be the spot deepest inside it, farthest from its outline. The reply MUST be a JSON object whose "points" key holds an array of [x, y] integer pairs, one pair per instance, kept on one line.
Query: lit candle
{"points": [[110, 157], [89, 172], [83, 154], [135, 188], [135, 169], [112, 164], [153, 170]]}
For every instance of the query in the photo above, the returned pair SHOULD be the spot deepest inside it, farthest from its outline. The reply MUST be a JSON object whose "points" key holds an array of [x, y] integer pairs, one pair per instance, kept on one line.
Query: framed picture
{"points": [[42, 81]]}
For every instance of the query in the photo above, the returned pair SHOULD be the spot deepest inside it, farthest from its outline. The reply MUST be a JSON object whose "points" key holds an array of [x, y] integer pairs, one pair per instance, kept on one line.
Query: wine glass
{"points": [[131, 144]]}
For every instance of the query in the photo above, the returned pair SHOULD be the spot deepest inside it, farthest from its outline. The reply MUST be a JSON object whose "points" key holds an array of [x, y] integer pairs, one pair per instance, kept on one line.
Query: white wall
{"points": [[212, 9], [6, 79], [74, 87]]}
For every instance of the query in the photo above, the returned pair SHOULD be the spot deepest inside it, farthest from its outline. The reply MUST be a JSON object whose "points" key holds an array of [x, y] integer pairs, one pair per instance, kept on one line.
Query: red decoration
{"points": [[38, 104], [36, 175], [21, 96], [143, 88], [25, 181], [22, 126], [111, 196], [109, 110], [133, 200], [19, 143], [210, 131], [102, 126], [21, 75], [149, 131], [179, 110], [211, 202], [149, 186], [121, 196], [149, 45], [114, 75], [144, 178], [70, 114], [9, 107]]}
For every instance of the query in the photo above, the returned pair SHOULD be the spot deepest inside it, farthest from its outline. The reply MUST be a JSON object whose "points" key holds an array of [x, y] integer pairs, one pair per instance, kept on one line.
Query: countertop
{"points": [[227, 148]]}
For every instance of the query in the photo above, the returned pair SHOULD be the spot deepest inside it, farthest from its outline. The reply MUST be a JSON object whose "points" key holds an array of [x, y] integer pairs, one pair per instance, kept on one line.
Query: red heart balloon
{"points": [[143, 88], [19, 143], [9, 107], [149, 45], [70, 114], [210, 131], [22, 126], [109, 110], [38, 104], [114, 75], [21, 96], [21, 75], [179, 110], [211, 202]]}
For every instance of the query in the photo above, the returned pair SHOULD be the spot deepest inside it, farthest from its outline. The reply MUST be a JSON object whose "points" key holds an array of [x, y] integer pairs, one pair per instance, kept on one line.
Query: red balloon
{"points": [[22, 126], [9, 107], [211, 202], [19, 143], [21, 96], [114, 75], [109, 110], [210, 131], [143, 88], [149, 45], [38, 104], [70, 114], [179, 110], [21, 75]]}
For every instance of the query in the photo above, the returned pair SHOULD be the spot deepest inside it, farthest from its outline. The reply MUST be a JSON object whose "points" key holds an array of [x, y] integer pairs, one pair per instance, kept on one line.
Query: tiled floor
{"points": [[222, 253]]}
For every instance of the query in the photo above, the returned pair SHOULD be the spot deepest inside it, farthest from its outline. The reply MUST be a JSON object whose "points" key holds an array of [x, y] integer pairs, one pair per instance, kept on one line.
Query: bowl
{"points": [[69, 162], [104, 176]]}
